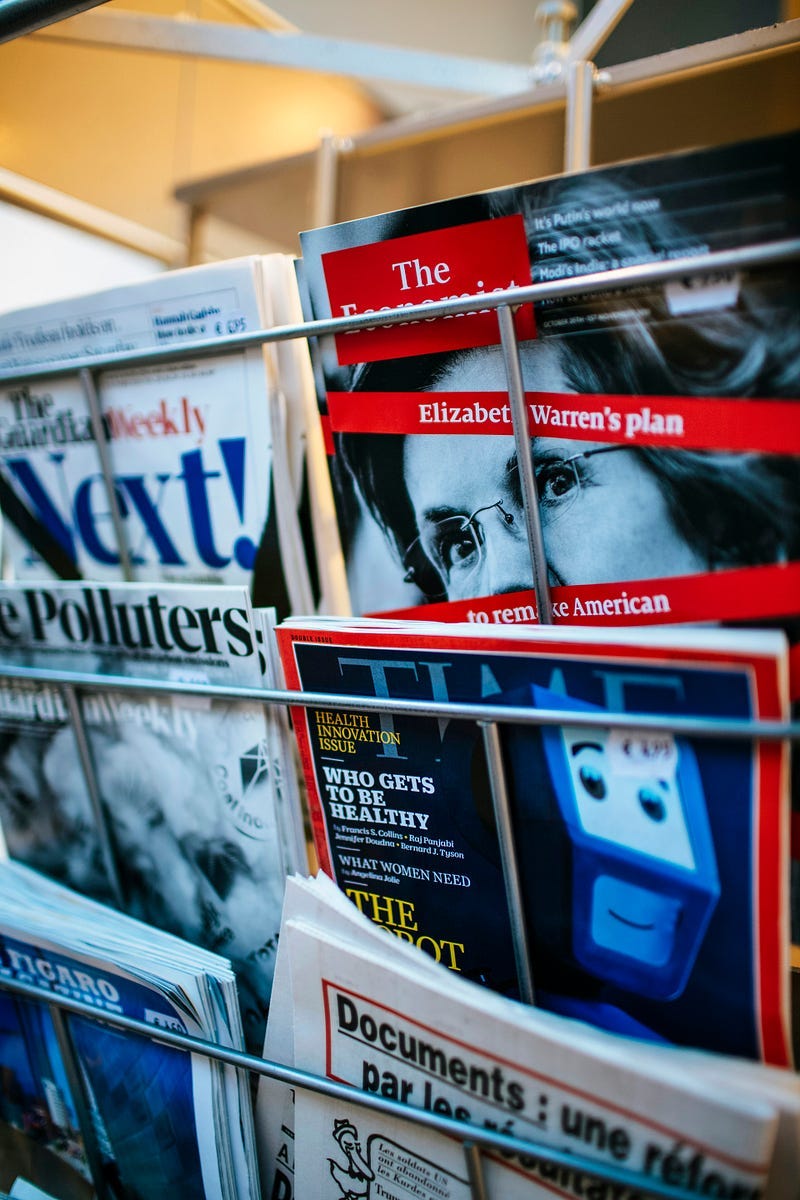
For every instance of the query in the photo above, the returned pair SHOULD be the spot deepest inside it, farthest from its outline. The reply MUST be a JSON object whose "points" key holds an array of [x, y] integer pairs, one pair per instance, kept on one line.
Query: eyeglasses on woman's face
{"points": [[448, 558]]}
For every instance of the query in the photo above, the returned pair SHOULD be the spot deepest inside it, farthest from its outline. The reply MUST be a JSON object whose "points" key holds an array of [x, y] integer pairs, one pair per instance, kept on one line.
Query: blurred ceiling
{"points": [[107, 125]]}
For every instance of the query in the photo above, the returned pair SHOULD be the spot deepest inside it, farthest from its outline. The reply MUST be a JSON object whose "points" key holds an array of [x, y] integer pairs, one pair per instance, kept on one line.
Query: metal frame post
{"points": [[508, 859], [90, 392], [527, 476]]}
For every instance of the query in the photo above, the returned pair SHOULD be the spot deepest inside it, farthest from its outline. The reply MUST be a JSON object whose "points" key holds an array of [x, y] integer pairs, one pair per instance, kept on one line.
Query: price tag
{"points": [[635, 753], [702, 293]]}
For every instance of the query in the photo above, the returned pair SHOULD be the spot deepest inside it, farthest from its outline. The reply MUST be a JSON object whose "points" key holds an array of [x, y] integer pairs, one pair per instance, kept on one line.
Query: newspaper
{"points": [[652, 867], [160, 1119], [190, 831], [364, 1010], [190, 442]]}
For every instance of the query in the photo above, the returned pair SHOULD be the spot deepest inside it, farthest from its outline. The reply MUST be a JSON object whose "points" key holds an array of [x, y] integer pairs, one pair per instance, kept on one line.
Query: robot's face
{"points": [[626, 793], [646, 889]]}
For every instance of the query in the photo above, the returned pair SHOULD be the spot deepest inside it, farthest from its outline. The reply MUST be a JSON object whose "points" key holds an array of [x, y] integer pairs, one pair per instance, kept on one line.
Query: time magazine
{"points": [[652, 867]]}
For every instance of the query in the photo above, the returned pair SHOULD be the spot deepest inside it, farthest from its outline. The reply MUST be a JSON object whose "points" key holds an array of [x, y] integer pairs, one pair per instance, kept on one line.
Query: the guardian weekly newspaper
{"points": [[653, 867], [191, 442], [200, 834], [663, 497]]}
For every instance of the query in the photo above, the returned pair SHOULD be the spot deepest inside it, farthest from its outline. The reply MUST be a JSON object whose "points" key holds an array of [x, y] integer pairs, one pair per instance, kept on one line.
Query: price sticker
{"points": [[632, 752], [702, 293]]}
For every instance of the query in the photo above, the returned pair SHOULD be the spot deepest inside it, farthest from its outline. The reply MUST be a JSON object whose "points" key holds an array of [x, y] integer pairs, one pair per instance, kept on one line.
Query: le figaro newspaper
{"points": [[573, 1111], [191, 442], [192, 830], [653, 868], [665, 492], [154, 1120]]}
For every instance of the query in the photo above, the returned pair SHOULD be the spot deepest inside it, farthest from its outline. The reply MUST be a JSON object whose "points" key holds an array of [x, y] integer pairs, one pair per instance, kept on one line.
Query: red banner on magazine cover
{"points": [[446, 264], [743, 594], [718, 423], [686, 834]]}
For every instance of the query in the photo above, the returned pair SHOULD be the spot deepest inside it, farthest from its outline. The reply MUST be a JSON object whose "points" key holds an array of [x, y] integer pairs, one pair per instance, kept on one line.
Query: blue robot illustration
{"points": [[617, 858]]}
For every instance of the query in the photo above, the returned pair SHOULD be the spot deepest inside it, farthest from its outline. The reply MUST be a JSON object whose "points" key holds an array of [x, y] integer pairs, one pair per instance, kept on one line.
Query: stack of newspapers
{"points": [[86, 1104], [197, 468], [179, 807], [584, 1113]]}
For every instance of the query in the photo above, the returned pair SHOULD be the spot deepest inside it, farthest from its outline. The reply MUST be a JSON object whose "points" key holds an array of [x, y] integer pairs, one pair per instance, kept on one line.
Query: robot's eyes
{"points": [[652, 804], [593, 782]]}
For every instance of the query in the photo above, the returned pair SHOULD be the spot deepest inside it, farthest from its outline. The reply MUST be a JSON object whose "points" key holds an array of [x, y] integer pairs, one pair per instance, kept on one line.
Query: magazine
{"points": [[190, 442], [160, 1119], [652, 866], [191, 831], [662, 497], [358, 1008]]}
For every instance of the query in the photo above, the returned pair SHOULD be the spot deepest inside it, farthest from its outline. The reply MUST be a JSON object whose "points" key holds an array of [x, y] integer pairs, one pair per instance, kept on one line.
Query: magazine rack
{"points": [[474, 1140]]}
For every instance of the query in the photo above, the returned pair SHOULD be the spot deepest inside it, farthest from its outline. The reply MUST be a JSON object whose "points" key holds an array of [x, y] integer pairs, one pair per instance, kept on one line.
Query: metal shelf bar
{"points": [[527, 476], [740, 258], [89, 387], [485, 1138], [710, 727], [508, 858]]}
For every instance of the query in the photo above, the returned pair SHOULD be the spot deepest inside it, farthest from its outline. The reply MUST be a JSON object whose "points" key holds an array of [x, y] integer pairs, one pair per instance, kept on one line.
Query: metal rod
{"points": [[80, 1098], [92, 399], [19, 17], [351, 1095], [508, 859], [477, 1180], [578, 131], [93, 791], [735, 729], [596, 28], [308, 52], [769, 254], [326, 179], [527, 476]]}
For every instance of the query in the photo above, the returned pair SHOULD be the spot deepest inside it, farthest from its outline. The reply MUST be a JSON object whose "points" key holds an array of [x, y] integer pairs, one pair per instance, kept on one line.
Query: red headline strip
{"points": [[327, 434], [744, 594], [443, 264], [794, 670], [769, 832], [714, 423]]}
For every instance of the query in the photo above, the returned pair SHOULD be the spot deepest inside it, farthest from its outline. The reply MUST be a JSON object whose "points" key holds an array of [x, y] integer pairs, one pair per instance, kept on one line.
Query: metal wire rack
{"points": [[473, 1139]]}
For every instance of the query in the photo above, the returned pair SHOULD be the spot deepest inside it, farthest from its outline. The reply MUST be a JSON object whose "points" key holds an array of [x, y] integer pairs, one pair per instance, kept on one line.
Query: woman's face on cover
{"points": [[604, 516]]}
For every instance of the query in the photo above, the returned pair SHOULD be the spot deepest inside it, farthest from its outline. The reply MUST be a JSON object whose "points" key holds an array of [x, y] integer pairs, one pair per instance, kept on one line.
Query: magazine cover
{"points": [[190, 442], [187, 785], [653, 868], [429, 1043], [162, 1119], [662, 497]]}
